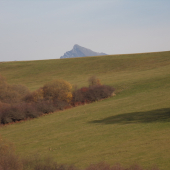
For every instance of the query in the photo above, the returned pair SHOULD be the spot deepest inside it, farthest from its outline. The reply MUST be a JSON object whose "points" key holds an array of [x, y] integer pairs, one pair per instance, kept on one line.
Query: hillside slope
{"points": [[131, 127]]}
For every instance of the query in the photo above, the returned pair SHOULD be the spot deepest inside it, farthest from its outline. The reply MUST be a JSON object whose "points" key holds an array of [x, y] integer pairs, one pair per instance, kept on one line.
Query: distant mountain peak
{"points": [[76, 45], [79, 51]]}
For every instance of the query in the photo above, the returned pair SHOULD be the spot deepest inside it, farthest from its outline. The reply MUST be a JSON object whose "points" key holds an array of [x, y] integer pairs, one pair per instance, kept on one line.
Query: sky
{"points": [[46, 29]]}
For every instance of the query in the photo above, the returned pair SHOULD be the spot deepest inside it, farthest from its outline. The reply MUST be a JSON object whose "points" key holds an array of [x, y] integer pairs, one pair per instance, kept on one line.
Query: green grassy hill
{"points": [[131, 127]]}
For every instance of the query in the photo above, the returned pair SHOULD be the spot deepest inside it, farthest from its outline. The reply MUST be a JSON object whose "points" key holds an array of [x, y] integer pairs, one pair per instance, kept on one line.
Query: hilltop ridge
{"points": [[79, 51]]}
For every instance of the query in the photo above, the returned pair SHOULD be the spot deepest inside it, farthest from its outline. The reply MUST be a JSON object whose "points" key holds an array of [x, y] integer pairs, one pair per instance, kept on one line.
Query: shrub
{"points": [[17, 112], [99, 92], [30, 111], [45, 106], [8, 159], [8, 95], [93, 81], [11, 93], [60, 105], [20, 89], [91, 94], [2, 107], [57, 90], [35, 96], [12, 113], [77, 97]]}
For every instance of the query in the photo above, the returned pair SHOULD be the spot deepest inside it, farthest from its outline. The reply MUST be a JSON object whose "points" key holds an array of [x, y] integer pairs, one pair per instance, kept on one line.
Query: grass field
{"points": [[131, 127]]}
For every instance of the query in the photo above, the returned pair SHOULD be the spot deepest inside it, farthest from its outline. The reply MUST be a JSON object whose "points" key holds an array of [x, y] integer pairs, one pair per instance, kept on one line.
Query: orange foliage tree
{"points": [[58, 90]]}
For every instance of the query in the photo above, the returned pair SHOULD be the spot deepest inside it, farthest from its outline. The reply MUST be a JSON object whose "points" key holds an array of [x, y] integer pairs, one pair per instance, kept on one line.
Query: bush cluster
{"points": [[91, 94], [11, 93], [17, 112], [10, 161], [18, 103]]}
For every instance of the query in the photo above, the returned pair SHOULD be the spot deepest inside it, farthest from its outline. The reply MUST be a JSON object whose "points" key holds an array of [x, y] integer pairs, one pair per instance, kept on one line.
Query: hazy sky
{"points": [[46, 29]]}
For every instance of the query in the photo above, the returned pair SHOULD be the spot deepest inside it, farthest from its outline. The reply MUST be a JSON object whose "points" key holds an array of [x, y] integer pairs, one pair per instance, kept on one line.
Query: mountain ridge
{"points": [[79, 51]]}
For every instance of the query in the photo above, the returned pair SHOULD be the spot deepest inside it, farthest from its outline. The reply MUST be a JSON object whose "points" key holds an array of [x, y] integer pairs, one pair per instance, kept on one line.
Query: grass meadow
{"points": [[131, 127]]}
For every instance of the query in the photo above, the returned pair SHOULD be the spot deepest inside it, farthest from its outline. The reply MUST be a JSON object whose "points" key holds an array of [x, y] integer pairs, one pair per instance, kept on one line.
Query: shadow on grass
{"points": [[160, 115]]}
